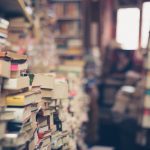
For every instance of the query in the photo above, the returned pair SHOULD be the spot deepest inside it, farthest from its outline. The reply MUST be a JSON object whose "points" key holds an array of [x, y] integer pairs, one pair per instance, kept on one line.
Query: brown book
{"points": [[4, 31], [12, 55], [4, 68], [2, 129]]}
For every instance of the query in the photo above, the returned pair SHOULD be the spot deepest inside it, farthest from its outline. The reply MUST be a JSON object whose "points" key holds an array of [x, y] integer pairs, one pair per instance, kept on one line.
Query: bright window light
{"points": [[128, 27], [145, 23]]}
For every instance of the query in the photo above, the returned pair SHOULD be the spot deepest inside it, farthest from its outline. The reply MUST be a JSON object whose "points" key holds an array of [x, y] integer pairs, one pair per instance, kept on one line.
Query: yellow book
{"points": [[22, 99]]}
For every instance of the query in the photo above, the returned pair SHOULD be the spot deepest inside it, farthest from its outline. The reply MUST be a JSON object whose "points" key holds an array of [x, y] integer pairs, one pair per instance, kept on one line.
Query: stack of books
{"points": [[15, 89], [43, 111], [17, 32], [5, 116], [146, 104], [54, 91], [3, 32]]}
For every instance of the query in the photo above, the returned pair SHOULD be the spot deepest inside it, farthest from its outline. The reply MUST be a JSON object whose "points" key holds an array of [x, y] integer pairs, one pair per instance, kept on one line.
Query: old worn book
{"points": [[15, 74], [21, 114], [21, 99], [2, 129], [56, 140], [46, 93], [12, 55], [6, 115], [16, 84], [19, 67], [4, 31], [60, 90], [42, 122], [46, 112], [45, 143], [4, 68], [3, 35], [46, 81], [15, 139]]}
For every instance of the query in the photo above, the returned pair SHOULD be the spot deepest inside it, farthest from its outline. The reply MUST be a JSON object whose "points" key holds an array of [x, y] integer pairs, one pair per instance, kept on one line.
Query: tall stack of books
{"points": [[15, 87], [45, 123], [45, 111], [146, 105], [53, 91], [3, 32], [5, 115], [18, 32]]}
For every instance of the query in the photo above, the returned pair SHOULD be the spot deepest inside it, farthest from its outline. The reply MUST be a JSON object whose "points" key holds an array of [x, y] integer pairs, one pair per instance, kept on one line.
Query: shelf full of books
{"points": [[15, 8], [69, 23]]}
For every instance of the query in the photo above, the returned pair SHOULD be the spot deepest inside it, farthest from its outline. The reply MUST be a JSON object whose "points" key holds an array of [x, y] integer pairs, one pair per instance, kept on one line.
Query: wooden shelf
{"points": [[14, 8], [68, 19], [64, 1], [67, 37], [69, 53]]}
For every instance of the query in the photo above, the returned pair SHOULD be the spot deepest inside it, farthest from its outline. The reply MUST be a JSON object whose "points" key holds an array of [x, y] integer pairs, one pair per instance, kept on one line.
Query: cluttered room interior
{"points": [[74, 74]]}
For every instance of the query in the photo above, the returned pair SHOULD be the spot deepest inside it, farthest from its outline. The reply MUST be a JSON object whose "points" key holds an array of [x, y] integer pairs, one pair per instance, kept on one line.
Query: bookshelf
{"points": [[65, 1], [14, 8], [69, 22]]}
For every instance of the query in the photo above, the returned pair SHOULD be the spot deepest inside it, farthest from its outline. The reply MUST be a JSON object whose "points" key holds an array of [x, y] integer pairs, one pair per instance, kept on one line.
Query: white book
{"points": [[21, 114], [60, 90], [4, 22], [16, 84]]}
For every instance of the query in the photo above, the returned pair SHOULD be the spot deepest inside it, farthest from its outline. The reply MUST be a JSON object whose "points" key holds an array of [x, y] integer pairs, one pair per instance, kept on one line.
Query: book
{"points": [[20, 114], [46, 93], [17, 83], [3, 35], [146, 118], [12, 55], [60, 90], [4, 22], [46, 81], [6, 115], [22, 99], [14, 139], [15, 74], [4, 68], [42, 121], [2, 129], [19, 67], [45, 143], [147, 101], [4, 31]]}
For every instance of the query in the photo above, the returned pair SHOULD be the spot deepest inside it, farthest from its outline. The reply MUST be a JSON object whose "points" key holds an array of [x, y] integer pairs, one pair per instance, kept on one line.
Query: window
{"points": [[145, 24], [128, 27]]}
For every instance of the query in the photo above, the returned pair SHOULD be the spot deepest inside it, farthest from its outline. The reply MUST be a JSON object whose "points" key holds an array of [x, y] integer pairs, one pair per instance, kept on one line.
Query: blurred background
{"points": [[107, 39]]}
